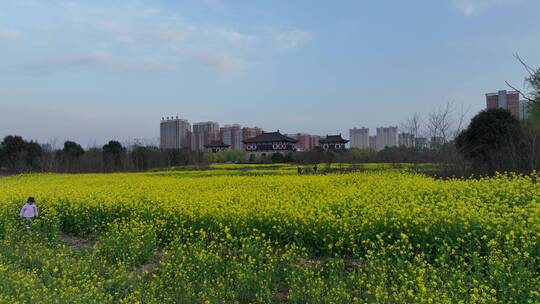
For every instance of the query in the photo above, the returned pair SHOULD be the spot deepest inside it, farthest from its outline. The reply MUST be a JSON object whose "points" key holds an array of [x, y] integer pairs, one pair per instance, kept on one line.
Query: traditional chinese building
{"points": [[333, 142], [269, 143], [216, 146]]}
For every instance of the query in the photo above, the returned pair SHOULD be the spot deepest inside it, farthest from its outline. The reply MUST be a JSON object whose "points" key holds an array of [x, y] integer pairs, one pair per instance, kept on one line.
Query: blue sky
{"points": [[95, 70]]}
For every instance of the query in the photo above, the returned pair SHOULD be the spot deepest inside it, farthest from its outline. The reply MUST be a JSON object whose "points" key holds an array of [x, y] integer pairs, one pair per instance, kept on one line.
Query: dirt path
{"points": [[74, 241], [149, 267]]}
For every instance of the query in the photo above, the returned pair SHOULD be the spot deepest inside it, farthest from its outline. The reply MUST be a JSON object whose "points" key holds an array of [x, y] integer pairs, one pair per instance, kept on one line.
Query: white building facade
{"points": [[359, 138], [174, 133], [386, 137], [523, 109], [406, 140], [232, 135], [203, 134]]}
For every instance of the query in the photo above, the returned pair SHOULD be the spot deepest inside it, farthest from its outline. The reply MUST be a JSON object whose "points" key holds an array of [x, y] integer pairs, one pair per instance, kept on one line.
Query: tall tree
{"points": [[113, 153], [533, 82], [413, 125], [493, 141], [10, 151], [70, 156], [531, 126], [33, 153], [17, 154], [72, 149], [532, 97]]}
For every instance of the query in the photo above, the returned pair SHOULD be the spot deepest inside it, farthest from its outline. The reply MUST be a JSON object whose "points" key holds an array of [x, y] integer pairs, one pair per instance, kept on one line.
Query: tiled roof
{"points": [[270, 137], [333, 139], [216, 144]]}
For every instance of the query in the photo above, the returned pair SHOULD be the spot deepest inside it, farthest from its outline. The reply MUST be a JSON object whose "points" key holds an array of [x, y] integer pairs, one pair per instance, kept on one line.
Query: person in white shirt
{"points": [[29, 211]]}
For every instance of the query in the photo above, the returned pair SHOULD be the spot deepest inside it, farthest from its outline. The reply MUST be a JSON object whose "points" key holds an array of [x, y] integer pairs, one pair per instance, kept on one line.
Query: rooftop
{"points": [[216, 144], [502, 92], [270, 137], [333, 139]]}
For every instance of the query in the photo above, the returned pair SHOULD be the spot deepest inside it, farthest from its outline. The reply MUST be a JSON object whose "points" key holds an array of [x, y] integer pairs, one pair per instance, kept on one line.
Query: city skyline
{"points": [[178, 133], [96, 71]]}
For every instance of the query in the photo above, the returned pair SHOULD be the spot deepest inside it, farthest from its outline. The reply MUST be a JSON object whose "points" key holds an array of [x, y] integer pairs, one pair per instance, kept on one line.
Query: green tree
{"points": [[532, 98], [113, 153], [17, 154], [533, 82], [70, 155], [493, 141], [11, 151], [531, 126], [72, 150], [33, 153]]}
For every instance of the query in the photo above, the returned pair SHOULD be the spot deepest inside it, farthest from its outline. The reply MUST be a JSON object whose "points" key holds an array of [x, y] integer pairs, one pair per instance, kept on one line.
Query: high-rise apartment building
{"points": [[359, 138], [387, 137], [523, 109], [248, 133], [406, 140], [174, 133], [305, 142], [373, 142], [232, 135], [203, 134], [508, 100]]}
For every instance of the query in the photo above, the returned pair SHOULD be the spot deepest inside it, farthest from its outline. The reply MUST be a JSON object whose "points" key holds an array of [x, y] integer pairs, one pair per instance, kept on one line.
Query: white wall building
{"points": [[203, 134], [406, 140], [523, 109], [232, 136], [174, 133], [373, 142], [387, 137], [359, 138]]}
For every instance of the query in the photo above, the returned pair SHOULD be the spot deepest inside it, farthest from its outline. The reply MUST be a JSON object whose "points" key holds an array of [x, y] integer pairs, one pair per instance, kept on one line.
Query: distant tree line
{"points": [[18, 155]]}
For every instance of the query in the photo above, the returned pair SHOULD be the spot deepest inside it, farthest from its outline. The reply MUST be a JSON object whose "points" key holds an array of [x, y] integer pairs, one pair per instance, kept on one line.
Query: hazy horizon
{"points": [[92, 71]]}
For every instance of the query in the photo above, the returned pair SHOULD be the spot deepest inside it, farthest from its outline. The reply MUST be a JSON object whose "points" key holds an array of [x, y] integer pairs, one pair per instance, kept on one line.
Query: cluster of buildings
{"points": [[508, 100], [391, 137], [176, 133], [388, 137]]}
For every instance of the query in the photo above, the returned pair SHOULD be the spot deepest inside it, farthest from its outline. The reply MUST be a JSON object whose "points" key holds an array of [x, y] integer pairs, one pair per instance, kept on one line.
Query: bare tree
{"points": [[439, 122], [444, 123], [460, 118], [413, 125], [531, 126], [533, 79]]}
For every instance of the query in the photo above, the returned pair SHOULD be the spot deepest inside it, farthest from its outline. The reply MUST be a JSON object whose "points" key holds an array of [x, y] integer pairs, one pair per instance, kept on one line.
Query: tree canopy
{"points": [[493, 139], [18, 154]]}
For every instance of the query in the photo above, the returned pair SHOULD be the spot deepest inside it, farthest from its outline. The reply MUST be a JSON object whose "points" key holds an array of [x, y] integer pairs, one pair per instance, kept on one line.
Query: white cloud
{"points": [[89, 59], [134, 34], [8, 34], [472, 7], [213, 3], [233, 36], [467, 8], [144, 33], [47, 65], [220, 61], [291, 39]]}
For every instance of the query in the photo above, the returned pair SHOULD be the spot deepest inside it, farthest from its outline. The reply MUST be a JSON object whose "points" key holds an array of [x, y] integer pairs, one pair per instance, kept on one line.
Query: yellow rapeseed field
{"points": [[267, 235]]}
